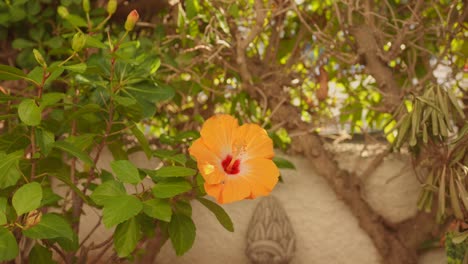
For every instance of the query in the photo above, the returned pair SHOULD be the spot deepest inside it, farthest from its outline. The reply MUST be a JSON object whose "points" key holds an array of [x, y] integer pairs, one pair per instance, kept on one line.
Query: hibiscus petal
{"points": [[217, 133], [207, 161], [256, 141], [234, 189], [262, 174], [214, 190]]}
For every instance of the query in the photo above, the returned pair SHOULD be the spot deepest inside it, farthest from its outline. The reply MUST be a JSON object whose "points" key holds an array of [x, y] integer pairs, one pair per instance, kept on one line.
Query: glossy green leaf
{"points": [[11, 73], [27, 198], [119, 209], [44, 140], [74, 151], [125, 171], [79, 67], [9, 171], [182, 233], [49, 99], [170, 188], [183, 207], [158, 208], [40, 255], [142, 140], [29, 112], [283, 163], [106, 190], [50, 226], [126, 237], [219, 212], [3, 208], [8, 245]]}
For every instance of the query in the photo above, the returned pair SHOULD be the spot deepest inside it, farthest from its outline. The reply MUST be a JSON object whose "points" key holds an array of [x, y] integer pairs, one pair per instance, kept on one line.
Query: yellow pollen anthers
{"points": [[208, 168]]}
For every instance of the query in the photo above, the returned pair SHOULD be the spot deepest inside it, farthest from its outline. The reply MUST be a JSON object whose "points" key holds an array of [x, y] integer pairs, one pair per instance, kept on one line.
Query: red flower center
{"points": [[230, 166]]}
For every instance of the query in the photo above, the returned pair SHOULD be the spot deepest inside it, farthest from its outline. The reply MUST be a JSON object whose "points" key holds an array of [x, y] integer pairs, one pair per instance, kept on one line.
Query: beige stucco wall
{"points": [[326, 230]]}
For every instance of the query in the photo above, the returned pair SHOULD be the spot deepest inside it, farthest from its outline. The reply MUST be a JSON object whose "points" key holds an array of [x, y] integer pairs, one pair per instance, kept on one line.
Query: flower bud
{"points": [[33, 218], [132, 18], [39, 58], [86, 6], [111, 6], [63, 12], [78, 41]]}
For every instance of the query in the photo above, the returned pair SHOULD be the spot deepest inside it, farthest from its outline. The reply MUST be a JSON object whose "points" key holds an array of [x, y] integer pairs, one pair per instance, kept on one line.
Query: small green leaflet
{"points": [[170, 188], [50, 226], [29, 112], [126, 237], [107, 190], [9, 171], [119, 209], [219, 212], [40, 255], [283, 163], [125, 171], [74, 151], [182, 233], [158, 208], [8, 245], [27, 198]]}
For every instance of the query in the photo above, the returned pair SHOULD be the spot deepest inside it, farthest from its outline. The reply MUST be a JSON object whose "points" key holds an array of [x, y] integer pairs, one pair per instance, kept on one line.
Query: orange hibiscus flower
{"points": [[235, 161]]}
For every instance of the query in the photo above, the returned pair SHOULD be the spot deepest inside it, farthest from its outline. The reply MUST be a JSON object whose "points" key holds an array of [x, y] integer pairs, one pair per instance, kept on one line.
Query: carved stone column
{"points": [[270, 236]]}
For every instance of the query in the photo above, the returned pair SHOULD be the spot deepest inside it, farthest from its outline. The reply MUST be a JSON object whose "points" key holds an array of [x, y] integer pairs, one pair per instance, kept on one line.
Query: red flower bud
{"points": [[132, 18]]}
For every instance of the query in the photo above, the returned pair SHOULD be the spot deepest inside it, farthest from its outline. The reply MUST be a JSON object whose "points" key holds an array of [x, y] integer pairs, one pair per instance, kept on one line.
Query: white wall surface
{"points": [[326, 231]]}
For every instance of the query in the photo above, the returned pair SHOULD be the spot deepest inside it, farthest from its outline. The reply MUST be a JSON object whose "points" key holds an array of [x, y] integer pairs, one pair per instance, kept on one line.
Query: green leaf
{"points": [[95, 43], [20, 43], [182, 233], [124, 101], [79, 68], [283, 163], [76, 21], [66, 244], [151, 92], [29, 112], [155, 65], [9, 171], [125, 171], [45, 140], [82, 141], [219, 212], [183, 207], [50, 226], [11, 73], [168, 189], [3, 208], [179, 158], [159, 209], [107, 190], [74, 151], [142, 140], [49, 99], [174, 171], [119, 209], [49, 197], [27, 198], [8, 246], [192, 8], [126, 237], [40, 255]]}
